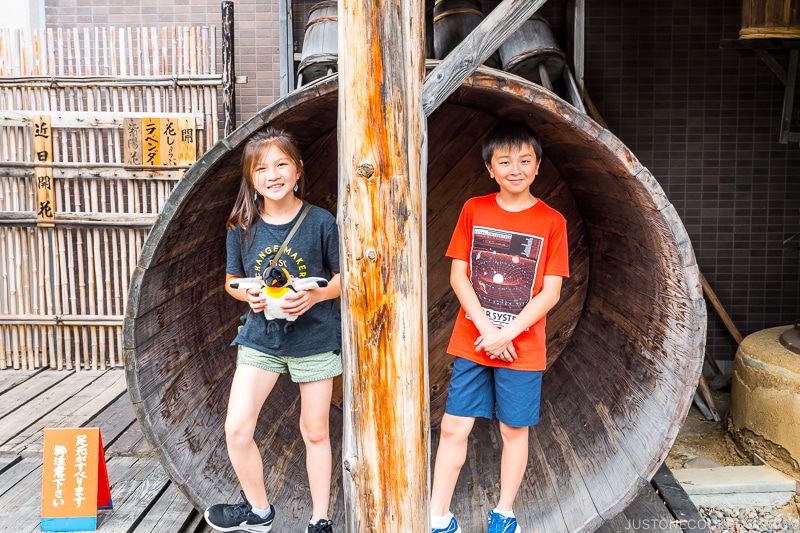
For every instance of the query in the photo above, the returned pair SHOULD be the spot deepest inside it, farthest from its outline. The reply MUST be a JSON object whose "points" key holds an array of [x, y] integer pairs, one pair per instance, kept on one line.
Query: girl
{"points": [[265, 211]]}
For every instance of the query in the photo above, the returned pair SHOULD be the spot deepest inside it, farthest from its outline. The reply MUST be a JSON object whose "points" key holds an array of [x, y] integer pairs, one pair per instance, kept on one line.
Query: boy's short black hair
{"points": [[510, 135]]}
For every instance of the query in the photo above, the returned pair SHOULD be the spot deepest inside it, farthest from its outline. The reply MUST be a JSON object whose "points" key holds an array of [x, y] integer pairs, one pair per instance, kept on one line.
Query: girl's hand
{"points": [[257, 300], [297, 303], [496, 344]]}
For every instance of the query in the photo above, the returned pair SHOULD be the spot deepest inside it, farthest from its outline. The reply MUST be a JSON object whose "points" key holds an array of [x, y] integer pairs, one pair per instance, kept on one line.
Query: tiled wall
{"points": [[704, 120]]}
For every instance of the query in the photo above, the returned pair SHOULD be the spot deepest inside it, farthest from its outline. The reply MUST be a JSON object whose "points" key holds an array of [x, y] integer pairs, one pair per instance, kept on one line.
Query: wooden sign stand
{"points": [[74, 479]]}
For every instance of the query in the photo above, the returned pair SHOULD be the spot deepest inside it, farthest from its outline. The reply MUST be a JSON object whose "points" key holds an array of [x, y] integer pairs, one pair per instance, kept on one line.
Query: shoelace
{"points": [[239, 509]]}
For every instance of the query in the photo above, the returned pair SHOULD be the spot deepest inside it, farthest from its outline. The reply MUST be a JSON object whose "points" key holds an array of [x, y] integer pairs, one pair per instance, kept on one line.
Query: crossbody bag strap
{"points": [[288, 238]]}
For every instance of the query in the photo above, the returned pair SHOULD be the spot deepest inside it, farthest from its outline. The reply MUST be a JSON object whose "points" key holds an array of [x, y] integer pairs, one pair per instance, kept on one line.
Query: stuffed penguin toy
{"points": [[276, 284]]}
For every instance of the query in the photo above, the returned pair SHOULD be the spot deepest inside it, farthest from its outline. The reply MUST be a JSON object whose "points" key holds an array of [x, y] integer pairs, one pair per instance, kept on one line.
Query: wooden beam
{"points": [[84, 119], [286, 46], [228, 69], [576, 11], [459, 64], [788, 98], [381, 209]]}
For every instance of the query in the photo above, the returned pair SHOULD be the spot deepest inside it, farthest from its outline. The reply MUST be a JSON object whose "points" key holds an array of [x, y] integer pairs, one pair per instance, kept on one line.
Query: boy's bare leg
{"points": [[315, 404], [249, 390], [513, 463], [450, 457]]}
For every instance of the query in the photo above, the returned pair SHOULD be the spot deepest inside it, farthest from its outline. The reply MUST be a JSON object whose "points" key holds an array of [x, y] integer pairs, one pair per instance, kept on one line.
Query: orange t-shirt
{"points": [[509, 254]]}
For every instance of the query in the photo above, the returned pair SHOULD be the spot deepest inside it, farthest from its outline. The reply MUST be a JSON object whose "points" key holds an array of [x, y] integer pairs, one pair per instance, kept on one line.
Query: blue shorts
{"points": [[476, 389]]}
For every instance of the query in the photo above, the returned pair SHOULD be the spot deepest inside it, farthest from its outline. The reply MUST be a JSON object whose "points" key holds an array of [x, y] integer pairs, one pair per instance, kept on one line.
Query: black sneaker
{"points": [[238, 517], [322, 526]]}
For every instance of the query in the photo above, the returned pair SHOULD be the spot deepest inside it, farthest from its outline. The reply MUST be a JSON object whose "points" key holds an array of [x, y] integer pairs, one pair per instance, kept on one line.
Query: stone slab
{"points": [[736, 486]]}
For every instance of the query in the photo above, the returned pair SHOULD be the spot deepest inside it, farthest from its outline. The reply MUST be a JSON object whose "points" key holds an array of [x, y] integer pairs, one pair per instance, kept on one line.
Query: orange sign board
{"points": [[74, 479]]}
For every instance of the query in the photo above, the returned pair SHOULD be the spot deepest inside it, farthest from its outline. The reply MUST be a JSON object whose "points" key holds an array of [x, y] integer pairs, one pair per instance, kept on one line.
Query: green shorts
{"points": [[304, 369]]}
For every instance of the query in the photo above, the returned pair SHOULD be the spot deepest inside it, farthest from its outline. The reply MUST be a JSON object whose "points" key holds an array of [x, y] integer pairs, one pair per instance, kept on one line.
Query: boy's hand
{"points": [[497, 343]]}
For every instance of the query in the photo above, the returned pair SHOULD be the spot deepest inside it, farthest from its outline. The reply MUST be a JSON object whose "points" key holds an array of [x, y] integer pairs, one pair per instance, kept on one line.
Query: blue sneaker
{"points": [[500, 524], [452, 527]]}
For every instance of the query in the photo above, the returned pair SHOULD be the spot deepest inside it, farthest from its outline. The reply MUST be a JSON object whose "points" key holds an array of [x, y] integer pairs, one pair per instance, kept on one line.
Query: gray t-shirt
{"points": [[312, 252]]}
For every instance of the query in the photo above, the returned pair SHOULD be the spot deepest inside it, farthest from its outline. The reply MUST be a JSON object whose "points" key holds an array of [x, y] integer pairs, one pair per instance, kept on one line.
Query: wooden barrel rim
{"points": [[457, 11], [776, 32], [322, 5], [322, 19], [323, 60]]}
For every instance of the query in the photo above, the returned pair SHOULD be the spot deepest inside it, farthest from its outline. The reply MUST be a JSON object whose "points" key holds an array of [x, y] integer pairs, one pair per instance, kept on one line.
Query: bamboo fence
{"points": [[65, 280]]}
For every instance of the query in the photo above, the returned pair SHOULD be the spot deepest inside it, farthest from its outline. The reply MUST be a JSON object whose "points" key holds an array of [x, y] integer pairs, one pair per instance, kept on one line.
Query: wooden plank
{"points": [[17, 472], [10, 378], [20, 503], [7, 461], [86, 119], [80, 407], [131, 442], [677, 501], [134, 494], [476, 48], [18, 396], [28, 414], [171, 512], [574, 499], [114, 420], [646, 513]]}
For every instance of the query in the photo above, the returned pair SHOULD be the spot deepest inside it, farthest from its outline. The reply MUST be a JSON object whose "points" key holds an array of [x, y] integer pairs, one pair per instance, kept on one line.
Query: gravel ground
{"points": [[757, 519]]}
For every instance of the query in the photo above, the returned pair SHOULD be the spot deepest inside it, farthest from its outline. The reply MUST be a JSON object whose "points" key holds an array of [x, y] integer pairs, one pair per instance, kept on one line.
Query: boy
{"points": [[509, 253]]}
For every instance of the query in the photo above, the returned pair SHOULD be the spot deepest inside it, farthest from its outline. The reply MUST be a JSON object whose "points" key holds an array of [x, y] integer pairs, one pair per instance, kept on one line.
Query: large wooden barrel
{"points": [[766, 19], [453, 20], [533, 52], [626, 340], [320, 43]]}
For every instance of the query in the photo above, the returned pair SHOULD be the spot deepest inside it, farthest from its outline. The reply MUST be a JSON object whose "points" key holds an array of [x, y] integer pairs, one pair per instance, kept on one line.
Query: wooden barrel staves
{"points": [[453, 20], [766, 19], [320, 43], [533, 53], [625, 341]]}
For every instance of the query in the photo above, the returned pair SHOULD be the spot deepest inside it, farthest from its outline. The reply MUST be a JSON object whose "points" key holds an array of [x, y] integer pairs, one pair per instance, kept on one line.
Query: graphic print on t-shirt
{"points": [[503, 271], [289, 255]]}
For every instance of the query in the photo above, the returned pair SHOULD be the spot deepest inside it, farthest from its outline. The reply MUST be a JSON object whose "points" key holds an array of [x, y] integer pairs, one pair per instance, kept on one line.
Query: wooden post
{"points": [[287, 46], [228, 70], [382, 165]]}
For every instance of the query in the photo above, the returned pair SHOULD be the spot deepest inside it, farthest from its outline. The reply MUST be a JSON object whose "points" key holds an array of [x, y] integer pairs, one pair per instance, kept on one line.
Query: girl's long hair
{"points": [[249, 204]]}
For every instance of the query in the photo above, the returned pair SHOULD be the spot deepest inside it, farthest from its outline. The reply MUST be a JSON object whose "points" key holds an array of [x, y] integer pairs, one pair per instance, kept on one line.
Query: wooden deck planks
{"points": [[171, 512], [115, 420], [145, 501], [134, 491], [41, 405], [84, 405], [24, 391], [11, 378]]}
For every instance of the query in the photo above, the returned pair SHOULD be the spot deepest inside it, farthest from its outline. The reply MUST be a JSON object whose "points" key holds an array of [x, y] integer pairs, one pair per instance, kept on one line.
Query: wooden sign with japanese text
{"points": [[133, 140], [187, 142], [169, 138], [43, 175], [160, 141], [151, 141], [74, 479]]}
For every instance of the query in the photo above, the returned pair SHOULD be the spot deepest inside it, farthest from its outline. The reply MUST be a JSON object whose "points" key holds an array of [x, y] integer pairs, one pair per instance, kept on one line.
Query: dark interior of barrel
{"points": [[624, 342]]}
